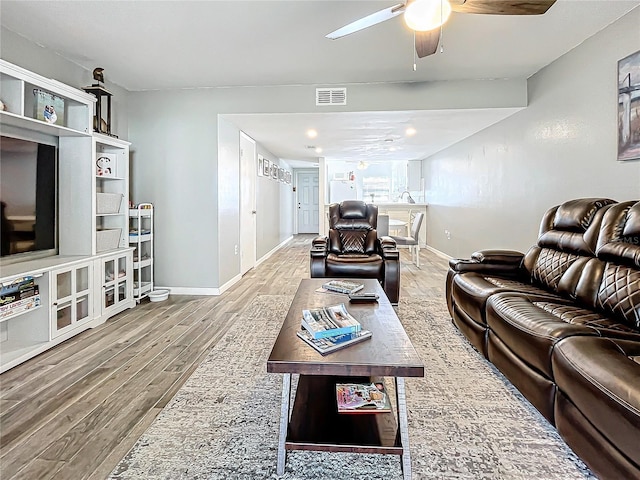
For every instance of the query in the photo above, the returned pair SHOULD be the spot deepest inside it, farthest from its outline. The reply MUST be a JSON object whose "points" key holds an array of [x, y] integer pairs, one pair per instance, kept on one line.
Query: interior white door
{"points": [[308, 196], [248, 168]]}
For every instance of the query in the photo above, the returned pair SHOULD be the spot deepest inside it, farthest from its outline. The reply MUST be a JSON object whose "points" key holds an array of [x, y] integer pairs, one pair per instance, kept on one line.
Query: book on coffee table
{"points": [[327, 345], [362, 398], [343, 286], [329, 321]]}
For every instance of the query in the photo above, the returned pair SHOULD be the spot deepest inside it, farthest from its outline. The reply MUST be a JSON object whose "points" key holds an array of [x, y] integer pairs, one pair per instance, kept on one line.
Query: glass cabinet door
{"points": [[116, 280], [71, 301]]}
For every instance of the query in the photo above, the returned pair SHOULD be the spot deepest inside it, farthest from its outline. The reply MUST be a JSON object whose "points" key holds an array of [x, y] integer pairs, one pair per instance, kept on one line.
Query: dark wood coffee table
{"points": [[314, 423]]}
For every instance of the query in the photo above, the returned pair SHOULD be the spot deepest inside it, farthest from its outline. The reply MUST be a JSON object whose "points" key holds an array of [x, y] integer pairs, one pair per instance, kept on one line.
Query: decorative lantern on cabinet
{"points": [[103, 96]]}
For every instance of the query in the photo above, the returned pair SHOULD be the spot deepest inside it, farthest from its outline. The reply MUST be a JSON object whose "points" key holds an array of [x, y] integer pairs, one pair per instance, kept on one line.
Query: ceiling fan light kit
{"points": [[425, 15]]}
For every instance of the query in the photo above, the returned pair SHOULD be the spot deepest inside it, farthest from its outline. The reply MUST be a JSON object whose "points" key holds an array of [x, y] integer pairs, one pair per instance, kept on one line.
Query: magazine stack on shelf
{"points": [[343, 286], [329, 329], [18, 296], [362, 398]]}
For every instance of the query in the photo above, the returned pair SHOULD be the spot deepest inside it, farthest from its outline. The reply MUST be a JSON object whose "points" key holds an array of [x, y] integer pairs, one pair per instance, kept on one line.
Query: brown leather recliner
{"points": [[353, 250]]}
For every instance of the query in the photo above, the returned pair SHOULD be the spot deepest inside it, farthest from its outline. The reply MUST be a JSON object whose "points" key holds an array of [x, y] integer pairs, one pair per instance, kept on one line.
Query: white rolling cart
{"points": [[141, 238]]}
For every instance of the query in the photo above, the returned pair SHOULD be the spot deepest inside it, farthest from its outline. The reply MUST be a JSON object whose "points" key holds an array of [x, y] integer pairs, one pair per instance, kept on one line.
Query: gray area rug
{"points": [[465, 420]]}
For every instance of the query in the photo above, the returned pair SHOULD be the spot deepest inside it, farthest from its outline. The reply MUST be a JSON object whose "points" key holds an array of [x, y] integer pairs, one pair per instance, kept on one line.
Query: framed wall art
{"points": [[260, 165], [281, 174], [266, 167], [629, 107], [274, 171]]}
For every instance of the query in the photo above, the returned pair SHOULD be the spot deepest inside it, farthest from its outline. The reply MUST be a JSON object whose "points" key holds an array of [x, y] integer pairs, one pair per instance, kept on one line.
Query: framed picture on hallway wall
{"points": [[266, 167], [629, 107], [260, 165]]}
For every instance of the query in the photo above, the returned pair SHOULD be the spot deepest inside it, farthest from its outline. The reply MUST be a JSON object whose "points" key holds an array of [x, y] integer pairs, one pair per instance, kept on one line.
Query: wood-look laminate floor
{"points": [[74, 411]]}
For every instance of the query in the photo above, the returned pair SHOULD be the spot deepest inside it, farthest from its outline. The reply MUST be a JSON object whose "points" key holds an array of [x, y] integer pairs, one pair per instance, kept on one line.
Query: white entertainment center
{"points": [[91, 277]]}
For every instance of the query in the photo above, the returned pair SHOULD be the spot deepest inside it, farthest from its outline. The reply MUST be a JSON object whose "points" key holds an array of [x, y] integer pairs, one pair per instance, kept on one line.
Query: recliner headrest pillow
{"points": [[619, 240], [574, 226], [351, 209], [576, 215]]}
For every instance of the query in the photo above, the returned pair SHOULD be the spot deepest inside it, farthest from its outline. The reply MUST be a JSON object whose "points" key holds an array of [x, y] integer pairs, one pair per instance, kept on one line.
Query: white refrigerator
{"points": [[340, 190]]}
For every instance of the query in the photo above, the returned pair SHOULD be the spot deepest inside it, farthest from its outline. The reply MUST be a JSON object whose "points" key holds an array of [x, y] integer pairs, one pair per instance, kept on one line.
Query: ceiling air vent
{"points": [[331, 96]]}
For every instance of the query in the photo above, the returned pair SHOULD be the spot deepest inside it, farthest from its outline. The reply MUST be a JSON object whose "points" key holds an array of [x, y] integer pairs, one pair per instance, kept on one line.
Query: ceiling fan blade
{"points": [[368, 21], [427, 42], [502, 7]]}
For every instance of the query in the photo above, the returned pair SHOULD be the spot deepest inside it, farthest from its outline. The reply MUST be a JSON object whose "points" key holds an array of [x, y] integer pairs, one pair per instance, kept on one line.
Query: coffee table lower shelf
{"points": [[315, 424]]}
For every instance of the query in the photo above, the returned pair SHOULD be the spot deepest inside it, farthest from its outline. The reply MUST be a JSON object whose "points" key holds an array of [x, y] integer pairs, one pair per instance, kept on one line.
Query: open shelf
{"points": [[18, 351], [35, 125], [20, 307], [316, 424], [143, 263], [144, 288]]}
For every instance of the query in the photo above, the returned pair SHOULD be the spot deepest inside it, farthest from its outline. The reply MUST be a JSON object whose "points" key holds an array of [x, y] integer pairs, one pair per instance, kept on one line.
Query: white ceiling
{"points": [[368, 136], [149, 45]]}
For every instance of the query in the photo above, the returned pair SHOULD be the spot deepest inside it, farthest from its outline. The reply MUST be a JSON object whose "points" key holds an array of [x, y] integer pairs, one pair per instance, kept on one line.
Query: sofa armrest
{"points": [[319, 246], [388, 248], [506, 262], [503, 257], [321, 240]]}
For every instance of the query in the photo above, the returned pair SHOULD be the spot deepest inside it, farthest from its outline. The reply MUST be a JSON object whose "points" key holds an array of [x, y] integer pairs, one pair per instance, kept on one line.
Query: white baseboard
{"points": [[439, 253], [226, 286], [191, 290]]}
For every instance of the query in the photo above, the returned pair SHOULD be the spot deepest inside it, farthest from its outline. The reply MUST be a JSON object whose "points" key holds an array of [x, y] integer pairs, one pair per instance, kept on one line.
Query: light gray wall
{"points": [[491, 189], [28, 55], [174, 165], [228, 199]]}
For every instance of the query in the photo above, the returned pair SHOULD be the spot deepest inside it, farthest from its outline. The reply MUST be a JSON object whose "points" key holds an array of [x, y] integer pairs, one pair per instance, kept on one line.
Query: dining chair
{"points": [[413, 241]]}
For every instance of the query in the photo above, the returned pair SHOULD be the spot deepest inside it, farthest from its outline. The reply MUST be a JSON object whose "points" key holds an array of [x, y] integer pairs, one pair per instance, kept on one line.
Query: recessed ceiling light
{"points": [[392, 149], [312, 133], [410, 131], [318, 150], [388, 139]]}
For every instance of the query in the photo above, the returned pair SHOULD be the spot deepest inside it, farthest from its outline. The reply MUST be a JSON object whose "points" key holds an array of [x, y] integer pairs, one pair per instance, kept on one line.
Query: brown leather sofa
{"points": [[353, 250], [562, 323]]}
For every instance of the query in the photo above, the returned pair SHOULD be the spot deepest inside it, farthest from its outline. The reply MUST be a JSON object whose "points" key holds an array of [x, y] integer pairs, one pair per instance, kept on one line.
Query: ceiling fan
{"points": [[426, 17]]}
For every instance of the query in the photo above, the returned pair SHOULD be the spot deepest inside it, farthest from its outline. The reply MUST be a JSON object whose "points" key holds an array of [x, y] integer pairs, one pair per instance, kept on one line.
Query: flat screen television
{"points": [[28, 196]]}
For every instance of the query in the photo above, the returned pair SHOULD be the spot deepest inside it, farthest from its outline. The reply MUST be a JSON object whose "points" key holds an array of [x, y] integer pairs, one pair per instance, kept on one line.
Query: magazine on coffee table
{"points": [[327, 345], [362, 398], [329, 321], [343, 286]]}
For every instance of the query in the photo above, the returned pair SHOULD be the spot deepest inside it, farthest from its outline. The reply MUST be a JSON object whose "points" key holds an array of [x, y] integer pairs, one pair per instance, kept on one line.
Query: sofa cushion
{"points": [[606, 325], [354, 265], [471, 291], [602, 379], [530, 328]]}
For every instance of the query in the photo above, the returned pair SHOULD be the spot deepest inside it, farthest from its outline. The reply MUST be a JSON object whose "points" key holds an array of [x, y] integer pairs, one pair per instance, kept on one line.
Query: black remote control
{"points": [[363, 297]]}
